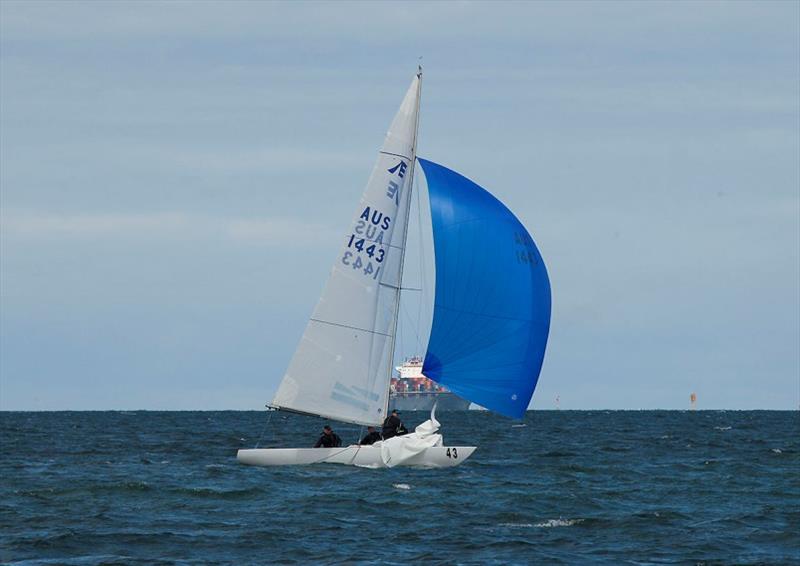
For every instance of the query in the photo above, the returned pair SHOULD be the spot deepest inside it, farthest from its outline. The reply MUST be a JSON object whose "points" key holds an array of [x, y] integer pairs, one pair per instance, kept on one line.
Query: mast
{"points": [[396, 310], [338, 369]]}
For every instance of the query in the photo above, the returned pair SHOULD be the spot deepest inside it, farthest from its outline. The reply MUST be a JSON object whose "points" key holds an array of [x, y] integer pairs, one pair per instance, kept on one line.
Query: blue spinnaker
{"points": [[491, 313]]}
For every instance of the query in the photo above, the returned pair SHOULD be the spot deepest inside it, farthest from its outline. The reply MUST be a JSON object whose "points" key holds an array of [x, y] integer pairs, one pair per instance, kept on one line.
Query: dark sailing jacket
{"points": [[331, 440], [392, 426], [371, 438]]}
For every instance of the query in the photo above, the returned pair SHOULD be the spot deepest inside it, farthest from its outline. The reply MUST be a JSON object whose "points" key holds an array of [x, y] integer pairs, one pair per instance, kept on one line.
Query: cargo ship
{"points": [[410, 390]]}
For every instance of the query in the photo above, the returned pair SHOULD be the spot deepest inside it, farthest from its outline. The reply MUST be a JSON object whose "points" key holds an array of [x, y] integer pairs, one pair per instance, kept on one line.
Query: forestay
{"points": [[491, 313], [341, 368]]}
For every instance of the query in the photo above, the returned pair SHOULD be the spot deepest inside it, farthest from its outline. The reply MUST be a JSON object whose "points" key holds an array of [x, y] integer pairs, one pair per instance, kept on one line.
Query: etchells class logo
{"points": [[400, 169], [393, 190]]}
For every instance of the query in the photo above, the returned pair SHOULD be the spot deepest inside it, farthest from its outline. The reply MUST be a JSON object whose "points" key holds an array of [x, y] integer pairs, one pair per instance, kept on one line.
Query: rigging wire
{"points": [[405, 239], [269, 418], [405, 309]]}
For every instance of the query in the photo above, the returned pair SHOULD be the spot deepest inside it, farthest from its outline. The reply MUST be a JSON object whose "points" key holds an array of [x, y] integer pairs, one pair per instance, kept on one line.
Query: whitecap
{"points": [[401, 486], [545, 524], [518, 425], [517, 525], [558, 523]]}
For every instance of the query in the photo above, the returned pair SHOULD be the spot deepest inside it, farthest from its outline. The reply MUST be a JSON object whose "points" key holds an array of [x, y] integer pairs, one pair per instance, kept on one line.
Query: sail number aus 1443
{"points": [[372, 250], [367, 239], [363, 245], [358, 263]]}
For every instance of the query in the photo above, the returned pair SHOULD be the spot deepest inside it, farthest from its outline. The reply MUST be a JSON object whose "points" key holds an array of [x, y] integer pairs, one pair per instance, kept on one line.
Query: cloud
{"points": [[168, 226], [283, 232], [189, 168], [615, 22]]}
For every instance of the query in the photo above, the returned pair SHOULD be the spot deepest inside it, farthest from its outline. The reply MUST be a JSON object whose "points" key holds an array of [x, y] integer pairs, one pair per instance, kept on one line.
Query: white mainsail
{"points": [[342, 366]]}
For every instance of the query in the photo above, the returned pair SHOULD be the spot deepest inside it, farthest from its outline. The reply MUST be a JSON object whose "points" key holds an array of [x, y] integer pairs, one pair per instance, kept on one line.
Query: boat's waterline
{"points": [[353, 455]]}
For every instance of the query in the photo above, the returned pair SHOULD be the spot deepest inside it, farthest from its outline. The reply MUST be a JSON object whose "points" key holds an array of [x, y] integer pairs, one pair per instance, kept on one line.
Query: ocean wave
{"points": [[558, 454], [89, 560], [214, 493], [558, 523], [514, 502], [615, 449], [549, 523], [217, 469]]}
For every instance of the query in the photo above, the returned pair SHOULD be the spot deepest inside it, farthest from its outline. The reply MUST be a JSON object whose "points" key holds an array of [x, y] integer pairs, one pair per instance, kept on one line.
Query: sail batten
{"points": [[394, 154], [491, 314], [350, 327]]}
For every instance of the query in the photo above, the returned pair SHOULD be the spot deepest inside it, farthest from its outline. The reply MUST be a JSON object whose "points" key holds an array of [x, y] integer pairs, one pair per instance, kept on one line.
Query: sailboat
{"points": [[491, 312]]}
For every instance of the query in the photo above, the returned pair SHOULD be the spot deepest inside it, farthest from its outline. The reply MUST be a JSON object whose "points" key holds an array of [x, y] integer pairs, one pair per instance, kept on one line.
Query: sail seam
{"points": [[395, 154], [398, 288], [376, 242], [325, 416], [484, 314], [350, 327]]}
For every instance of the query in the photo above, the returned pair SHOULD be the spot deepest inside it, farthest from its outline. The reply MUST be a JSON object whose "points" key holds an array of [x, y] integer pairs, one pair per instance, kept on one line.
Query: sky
{"points": [[175, 177]]}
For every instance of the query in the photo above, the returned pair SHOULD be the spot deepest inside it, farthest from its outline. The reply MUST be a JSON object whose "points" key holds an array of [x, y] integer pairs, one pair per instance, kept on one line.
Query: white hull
{"points": [[353, 455]]}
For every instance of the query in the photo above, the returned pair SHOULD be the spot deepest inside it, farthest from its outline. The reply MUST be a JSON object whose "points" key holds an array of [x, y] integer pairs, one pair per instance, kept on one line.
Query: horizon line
{"points": [[552, 410]]}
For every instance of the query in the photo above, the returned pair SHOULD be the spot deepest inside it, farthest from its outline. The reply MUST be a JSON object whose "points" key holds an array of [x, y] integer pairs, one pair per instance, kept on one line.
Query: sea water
{"points": [[559, 487]]}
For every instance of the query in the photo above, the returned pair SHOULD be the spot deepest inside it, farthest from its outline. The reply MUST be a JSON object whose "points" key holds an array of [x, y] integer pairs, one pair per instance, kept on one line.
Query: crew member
{"points": [[372, 437], [393, 426], [328, 438]]}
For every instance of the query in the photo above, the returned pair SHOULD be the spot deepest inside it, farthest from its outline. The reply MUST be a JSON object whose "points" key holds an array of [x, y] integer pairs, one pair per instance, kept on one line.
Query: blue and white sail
{"points": [[342, 366], [491, 312]]}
